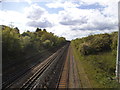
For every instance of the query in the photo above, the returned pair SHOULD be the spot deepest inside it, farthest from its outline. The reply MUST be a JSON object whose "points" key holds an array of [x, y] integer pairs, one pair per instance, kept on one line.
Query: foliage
{"points": [[15, 44], [96, 43], [114, 38], [98, 56], [10, 41]]}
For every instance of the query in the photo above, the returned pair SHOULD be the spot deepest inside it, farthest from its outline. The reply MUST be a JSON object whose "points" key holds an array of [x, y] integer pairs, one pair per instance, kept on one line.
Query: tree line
{"points": [[15, 44], [94, 44]]}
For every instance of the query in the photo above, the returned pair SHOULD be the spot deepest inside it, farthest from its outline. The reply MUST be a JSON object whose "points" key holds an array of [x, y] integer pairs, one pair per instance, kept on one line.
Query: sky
{"points": [[67, 18]]}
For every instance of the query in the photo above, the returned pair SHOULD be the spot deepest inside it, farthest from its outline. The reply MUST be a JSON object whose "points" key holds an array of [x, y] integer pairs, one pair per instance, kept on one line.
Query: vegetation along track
{"points": [[45, 74]]}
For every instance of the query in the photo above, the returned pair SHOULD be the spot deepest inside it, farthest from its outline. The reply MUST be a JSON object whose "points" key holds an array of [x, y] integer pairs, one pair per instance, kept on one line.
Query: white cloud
{"points": [[41, 24], [29, 1], [76, 21], [70, 34], [87, 19], [61, 5], [71, 22], [17, 19], [34, 12], [38, 17]]}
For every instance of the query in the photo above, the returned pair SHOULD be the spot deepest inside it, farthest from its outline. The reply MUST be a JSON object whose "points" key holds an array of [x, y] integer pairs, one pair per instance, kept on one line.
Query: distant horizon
{"points": [[65, 18]]}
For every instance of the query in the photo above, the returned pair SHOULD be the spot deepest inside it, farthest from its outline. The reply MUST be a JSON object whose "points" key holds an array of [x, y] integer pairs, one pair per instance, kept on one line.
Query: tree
{"points": [[17, 30], [37, 30], [47, 43], [44, 30], [10, 42]]}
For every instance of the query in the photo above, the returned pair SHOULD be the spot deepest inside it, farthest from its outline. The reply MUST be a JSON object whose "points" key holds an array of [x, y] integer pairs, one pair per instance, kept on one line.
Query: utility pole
{"points": [[11, 24], [118, 51]]}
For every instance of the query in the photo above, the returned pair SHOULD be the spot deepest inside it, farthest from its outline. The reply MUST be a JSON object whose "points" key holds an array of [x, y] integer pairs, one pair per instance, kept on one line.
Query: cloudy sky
{"points": [[68, 18]]}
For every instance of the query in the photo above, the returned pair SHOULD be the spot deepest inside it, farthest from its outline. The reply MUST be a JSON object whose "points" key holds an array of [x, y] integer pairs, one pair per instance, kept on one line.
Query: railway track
{"points": [[64, 77], [20, 71], [43, 74], [37, 74], [69, 75]]}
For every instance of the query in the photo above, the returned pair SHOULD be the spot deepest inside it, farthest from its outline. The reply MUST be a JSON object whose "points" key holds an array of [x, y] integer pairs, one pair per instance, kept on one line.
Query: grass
{"points": [[100, 68]]}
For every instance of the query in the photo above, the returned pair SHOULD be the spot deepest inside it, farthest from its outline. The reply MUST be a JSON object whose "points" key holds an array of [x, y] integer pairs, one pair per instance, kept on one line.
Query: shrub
{"points": [[85, 49], [93, 44]]}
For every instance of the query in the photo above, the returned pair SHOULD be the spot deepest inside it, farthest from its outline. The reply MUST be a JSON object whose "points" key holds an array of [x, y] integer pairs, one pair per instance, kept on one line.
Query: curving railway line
{"points": [[43, 75]]}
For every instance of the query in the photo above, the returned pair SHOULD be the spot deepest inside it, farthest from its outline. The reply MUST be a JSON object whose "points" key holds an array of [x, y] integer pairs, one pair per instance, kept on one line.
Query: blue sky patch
{"points": [[19, 6], [92, 6], [14, 6], [50, 10]]}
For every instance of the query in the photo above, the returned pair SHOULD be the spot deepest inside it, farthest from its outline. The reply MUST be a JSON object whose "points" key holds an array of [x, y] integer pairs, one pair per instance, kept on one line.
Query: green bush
{"points": [[85, 49], [47, 43], [101, 42], [95, 43]]}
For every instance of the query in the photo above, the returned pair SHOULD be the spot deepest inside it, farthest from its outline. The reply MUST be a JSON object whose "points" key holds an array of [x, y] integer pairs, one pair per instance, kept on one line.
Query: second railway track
{"points": [[64, 77]]}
